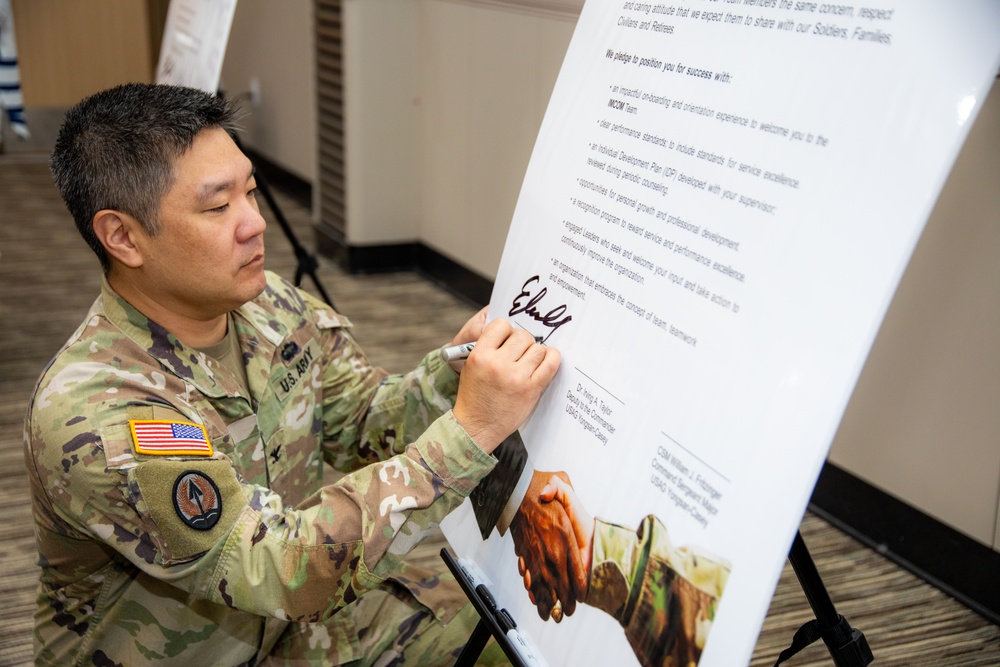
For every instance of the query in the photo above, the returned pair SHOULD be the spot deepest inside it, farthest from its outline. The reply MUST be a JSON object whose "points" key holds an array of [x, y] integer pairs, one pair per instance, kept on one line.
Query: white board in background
{"points": [[194, 43], [748, 180]]}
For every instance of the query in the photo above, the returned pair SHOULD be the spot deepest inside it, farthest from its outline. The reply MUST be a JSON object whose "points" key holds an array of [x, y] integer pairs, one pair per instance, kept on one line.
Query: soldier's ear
{"points": [[119, 234]]}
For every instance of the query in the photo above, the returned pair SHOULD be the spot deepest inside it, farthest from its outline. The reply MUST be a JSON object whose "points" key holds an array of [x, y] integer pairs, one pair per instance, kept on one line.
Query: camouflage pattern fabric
{"points": [[135, 569], [398, 633], [663, 596]]}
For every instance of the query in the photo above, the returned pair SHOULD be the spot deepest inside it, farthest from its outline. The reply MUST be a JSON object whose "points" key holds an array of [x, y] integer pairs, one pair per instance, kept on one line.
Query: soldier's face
{"points": [[208, 257]]}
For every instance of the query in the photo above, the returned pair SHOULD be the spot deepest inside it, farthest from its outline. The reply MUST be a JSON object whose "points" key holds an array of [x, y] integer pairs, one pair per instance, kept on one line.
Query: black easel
{"points": [[492, 621], [847, 646]]}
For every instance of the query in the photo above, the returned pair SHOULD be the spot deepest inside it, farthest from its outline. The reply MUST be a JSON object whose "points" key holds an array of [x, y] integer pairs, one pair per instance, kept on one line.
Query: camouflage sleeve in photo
{"points": [[663, 596]]}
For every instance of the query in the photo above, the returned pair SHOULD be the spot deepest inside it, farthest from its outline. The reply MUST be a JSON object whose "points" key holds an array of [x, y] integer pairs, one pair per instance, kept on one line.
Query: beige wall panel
{"points": [[924, 421], [273, 42], [68, 49], [487, 74], [382, 121]]}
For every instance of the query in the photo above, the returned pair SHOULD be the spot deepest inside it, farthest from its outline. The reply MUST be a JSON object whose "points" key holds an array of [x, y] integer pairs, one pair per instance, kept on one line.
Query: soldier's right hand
{"points": [[501, 382]]}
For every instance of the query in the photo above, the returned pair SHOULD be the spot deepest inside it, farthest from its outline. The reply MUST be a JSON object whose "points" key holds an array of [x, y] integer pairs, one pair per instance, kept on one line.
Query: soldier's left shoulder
{"points": [[284, 299]]}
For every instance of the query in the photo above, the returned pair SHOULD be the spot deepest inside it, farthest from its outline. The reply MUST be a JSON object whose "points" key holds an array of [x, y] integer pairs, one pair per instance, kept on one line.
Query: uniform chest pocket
{"points": [[246, 450]]}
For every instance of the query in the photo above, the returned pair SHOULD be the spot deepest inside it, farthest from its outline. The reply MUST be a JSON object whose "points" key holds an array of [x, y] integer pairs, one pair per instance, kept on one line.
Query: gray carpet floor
{"points": [[48, 278]]}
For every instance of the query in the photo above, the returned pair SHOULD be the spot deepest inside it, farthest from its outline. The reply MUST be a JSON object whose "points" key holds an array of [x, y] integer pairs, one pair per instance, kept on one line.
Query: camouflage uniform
{"points": [[664, 597], [130, 577]]}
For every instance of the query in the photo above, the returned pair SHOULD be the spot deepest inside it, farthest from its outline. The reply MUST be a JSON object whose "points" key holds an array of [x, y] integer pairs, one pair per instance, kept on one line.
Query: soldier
{"points": [[175, 444]]}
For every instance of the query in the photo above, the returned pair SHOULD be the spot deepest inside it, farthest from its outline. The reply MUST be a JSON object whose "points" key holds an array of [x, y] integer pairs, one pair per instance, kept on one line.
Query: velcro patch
{"points": [[169, 438], [168, 496], [297, 365]]}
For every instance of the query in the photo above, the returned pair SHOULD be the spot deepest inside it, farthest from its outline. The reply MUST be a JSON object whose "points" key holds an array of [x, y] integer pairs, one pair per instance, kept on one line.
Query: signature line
{"points": [[599, 385], [703, 461]]}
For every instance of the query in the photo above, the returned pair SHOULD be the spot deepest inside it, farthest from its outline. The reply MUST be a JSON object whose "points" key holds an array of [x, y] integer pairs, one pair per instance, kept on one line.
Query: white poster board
{"points": [[194, 43], [721, 201]]}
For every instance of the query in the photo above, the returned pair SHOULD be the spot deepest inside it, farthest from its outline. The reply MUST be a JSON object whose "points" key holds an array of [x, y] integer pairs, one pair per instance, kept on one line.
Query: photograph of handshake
{"points": [[664, 597]]}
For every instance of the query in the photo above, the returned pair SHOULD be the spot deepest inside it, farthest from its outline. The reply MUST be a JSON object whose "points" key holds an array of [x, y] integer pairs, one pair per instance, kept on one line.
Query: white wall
{"points": [[382, 120], [486, 76], [274, 42], [924, 421], [444, 100]]}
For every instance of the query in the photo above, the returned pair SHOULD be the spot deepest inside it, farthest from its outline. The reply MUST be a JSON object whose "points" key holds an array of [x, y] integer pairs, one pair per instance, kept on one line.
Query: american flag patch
{"points": [[166, 438]]}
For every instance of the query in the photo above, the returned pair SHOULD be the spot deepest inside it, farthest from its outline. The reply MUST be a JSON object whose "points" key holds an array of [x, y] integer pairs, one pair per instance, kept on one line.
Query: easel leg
{"points": [[847, 646], [488, 625], [812, 585], [477, 642]]}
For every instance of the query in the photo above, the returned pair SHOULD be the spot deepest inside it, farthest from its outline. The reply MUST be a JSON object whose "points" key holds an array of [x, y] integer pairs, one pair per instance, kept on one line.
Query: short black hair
{"points": [[116, 150]]}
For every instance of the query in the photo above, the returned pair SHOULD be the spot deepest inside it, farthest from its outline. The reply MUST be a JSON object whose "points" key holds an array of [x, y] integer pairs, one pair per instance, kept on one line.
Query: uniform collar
{"points": [[258, 332]]}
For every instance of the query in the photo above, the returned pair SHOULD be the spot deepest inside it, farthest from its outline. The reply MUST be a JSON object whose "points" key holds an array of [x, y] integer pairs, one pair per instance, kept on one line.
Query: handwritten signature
{"points": [[552, 319]]}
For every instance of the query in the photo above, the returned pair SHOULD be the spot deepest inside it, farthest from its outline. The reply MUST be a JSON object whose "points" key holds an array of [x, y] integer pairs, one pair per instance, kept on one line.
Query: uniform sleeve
{"points": [[306, 563], [195, 524], [664, 597], [254, 553], [368, 415]]}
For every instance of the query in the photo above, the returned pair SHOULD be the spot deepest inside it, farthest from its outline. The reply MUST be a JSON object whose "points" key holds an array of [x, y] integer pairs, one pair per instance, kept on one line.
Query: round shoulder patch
{"points": [[197, 500]]}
